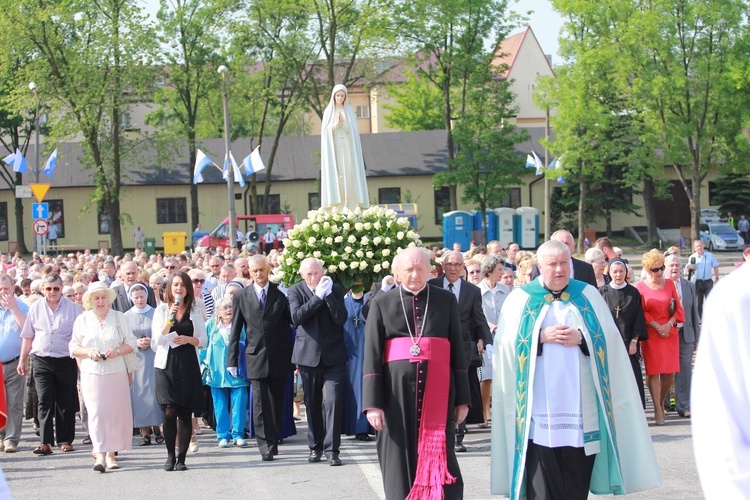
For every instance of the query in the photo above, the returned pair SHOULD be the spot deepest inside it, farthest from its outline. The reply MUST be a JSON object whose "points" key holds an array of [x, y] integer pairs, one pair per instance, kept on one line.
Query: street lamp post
{"points": [[37, 170], [230, 171]]}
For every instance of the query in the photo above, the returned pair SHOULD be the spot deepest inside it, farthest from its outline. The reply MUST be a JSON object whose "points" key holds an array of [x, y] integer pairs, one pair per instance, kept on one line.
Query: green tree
{"points": [[486, 162], [418, 105], [92, 54], [189, 35], [732, 193], [449, 38]]}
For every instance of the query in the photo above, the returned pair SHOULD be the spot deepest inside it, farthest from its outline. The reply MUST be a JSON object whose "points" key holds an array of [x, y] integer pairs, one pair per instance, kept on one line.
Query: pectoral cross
{"points": [[617, 311], [356, 321]]}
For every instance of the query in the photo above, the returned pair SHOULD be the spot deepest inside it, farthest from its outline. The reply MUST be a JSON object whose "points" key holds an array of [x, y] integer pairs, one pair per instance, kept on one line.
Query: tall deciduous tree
{"points": [[418, 105], [486, 162], [189, 35], [449, 38], [92, 54]]}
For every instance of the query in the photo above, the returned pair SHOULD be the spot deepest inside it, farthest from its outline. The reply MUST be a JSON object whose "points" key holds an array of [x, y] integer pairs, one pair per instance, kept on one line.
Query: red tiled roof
{"points": [[506, 53]]}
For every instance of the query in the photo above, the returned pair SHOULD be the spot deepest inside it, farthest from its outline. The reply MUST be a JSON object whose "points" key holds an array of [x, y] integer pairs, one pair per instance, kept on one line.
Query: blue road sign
{"points": [[40, 210]]}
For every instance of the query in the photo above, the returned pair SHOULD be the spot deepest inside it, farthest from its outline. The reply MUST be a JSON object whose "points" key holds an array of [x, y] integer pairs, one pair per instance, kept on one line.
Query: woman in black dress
{"points": [[178, 330], [624, 301]]}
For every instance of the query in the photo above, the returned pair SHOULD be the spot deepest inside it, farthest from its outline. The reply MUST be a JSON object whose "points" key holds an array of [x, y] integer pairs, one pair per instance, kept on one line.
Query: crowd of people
{"points": [[167, 345]]}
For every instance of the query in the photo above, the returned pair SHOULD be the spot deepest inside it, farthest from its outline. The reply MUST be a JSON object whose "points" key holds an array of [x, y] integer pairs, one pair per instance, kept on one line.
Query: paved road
{"points": [[213, 471]]}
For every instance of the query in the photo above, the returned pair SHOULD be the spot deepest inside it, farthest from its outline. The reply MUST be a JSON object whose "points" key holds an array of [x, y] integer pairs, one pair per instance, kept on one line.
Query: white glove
{"points": [[387, 283], [324, 287], [232, 371]]}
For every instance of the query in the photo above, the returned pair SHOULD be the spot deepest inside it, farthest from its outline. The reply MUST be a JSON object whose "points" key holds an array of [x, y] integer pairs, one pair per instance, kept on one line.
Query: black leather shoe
{"points": [[180, 466], [315, 456], [267, 456], [275, 450], [334, 459], [460, 448]]}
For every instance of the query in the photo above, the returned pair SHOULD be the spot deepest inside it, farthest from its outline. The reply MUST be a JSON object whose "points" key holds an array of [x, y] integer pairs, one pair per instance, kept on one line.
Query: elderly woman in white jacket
{"points": [[100, 340], [178, 330]]}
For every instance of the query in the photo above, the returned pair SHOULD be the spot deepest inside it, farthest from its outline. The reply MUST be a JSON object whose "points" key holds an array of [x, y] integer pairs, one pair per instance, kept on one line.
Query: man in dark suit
{"points": [[319, 313], [474, 330], [129, 272], [689, 332], [263, 311], [579, 270]]}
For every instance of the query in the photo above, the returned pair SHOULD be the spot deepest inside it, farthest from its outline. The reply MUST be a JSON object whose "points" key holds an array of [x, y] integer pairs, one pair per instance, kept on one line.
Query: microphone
{"points": [[177, 301]]}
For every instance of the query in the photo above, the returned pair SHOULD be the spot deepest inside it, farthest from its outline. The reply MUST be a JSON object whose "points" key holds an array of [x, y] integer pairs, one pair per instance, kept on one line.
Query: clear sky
{"points": [[545, 22]]}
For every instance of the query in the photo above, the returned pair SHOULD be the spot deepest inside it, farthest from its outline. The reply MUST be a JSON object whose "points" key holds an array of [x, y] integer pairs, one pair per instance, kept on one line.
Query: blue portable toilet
{"points": [[506, 223], [527, 227], [480, 236], [457, 228]]}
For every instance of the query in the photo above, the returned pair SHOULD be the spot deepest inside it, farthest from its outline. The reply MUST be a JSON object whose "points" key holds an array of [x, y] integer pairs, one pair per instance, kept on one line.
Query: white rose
{"points": [[334, 253], [389, 224], [286, 242], [311, 240], [332, 268], [386, 265], [320, 218], [376, 240], [386, 252], [317, 254], [280, 274], [336, 215], [316, 228], [334, 229], [326, 224], [296, 244], [410, 235], [358, 226], [387, 240], [354, 265], [377, 225], [362, 265], [412, 244], [348, 249], [377, 268], [329, 241], [365, 240], [370, 255], [311, 215], [368, 226], [338, 239], [300, 255], [342, 266], [400, 235], [289, 261], [360, 253], [403, 222], [352, 239], [346, 226]]}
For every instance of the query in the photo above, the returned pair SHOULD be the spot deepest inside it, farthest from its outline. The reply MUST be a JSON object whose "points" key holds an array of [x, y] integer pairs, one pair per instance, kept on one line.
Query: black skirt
{"points": [[180, 384]]}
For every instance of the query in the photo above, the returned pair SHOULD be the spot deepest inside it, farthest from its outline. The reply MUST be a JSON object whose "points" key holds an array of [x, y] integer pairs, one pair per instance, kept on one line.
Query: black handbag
{"points": [[672, 306], [476, 359]]}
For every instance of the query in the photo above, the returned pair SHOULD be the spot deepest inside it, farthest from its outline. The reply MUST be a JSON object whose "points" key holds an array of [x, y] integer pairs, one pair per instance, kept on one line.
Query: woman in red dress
{"points": [[661, 352]]}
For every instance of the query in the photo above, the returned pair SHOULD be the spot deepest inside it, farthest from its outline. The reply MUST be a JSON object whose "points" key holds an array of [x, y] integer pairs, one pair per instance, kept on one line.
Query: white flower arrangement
{"points": [[355, 247]]}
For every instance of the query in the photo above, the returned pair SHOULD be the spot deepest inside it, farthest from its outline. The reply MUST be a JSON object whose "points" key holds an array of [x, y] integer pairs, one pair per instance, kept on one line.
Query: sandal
{"points": [[146, 441], [159, 438]]}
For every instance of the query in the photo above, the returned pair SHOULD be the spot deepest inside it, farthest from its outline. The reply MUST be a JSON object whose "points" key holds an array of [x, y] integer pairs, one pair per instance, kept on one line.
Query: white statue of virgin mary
{"points": [[342, 180]]}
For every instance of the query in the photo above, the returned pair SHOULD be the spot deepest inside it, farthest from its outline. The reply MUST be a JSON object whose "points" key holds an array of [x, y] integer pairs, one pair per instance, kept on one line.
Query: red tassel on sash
{"points": [[432, 458]]}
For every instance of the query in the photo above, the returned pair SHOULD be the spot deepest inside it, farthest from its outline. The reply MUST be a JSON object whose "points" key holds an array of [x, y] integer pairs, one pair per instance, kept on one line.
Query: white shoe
{"points": [[240, 442], [223, 443], [10, 448], [193, 448]]}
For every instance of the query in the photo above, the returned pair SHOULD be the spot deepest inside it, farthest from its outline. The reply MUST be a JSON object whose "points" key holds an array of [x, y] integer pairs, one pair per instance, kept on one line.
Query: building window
{"points": [[389, 195], [274, 204], [363, 111], [4, 221], [442, 203], [57, 216], [512, 199], [313, 201], [171, 210], [102, 222]]}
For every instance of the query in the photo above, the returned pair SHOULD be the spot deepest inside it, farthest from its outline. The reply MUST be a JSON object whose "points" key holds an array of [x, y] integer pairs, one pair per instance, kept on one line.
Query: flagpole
{"points": [[230, 170], [547, 222]]}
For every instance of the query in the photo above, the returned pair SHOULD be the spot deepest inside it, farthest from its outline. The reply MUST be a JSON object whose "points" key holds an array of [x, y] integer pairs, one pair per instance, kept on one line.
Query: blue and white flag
{"points": [[17, 161], [253, 163], [530, 162], [201, 162], [557, 163], [538, 163], [235, 170], [49, 167]]}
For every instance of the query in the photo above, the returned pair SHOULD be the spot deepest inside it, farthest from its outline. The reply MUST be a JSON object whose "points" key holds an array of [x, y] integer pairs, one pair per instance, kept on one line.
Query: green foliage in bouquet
{"points": [[355, 247]]}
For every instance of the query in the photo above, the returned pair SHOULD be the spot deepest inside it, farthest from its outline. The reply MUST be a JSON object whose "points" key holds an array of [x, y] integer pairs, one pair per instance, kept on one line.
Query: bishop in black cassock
{"points": [[397, 387]]}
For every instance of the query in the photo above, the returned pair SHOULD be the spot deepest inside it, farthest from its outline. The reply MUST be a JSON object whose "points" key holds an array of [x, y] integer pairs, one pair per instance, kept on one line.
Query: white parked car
{"points": [[721, 236]]}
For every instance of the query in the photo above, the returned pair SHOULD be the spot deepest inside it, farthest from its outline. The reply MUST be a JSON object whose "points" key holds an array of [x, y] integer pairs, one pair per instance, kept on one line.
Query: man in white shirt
{"points": [[268, 240], [703, 264]]}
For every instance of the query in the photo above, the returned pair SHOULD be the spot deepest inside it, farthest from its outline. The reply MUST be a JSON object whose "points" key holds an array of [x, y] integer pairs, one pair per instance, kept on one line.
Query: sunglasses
{"points": [[657, 269], [171, 267], [197, 281], [52, 289]]}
